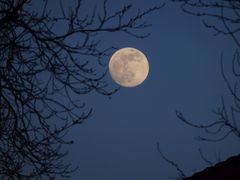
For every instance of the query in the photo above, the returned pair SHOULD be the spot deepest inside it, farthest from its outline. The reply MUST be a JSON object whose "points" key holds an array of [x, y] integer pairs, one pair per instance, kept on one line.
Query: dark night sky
{"points": [[119, 141]]}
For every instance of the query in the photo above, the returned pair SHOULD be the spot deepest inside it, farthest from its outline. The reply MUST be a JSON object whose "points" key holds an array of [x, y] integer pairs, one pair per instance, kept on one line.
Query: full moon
{"points": [[128, 67]]}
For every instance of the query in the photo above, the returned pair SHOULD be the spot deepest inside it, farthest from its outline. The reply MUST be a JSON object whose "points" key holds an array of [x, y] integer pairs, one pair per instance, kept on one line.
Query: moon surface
{"points": [[128, 67]]}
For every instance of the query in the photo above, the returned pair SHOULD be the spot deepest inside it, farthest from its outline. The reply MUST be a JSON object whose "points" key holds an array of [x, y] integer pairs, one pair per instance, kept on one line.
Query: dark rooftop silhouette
{"points": [[226, 170]]}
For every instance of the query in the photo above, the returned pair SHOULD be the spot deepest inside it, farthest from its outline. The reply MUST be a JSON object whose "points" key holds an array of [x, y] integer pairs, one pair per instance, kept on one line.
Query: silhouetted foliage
{"points": [[43, 68], [223, 18]]}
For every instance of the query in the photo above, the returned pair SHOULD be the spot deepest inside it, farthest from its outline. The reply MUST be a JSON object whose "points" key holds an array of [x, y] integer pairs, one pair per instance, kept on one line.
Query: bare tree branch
{"points": [[204, 158], [172, 163], [222, 16], [43, 68]]}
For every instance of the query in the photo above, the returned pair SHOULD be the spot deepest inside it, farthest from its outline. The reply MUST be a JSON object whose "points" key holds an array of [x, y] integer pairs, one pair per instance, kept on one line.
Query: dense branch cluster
{"points": [[43, 68]]}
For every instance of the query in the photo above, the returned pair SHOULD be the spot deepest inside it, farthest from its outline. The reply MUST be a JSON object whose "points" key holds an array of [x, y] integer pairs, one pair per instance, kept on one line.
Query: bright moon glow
{"points": [[128, 67]]}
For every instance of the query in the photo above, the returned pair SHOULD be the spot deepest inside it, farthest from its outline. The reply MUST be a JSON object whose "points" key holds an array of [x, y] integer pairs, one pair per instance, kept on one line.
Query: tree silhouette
{"points": [[42, 67], [223, 19]]}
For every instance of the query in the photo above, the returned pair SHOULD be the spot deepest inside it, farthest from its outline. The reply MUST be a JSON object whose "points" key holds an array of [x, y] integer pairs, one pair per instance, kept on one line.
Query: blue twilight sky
{"points": [[119, 141]]}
